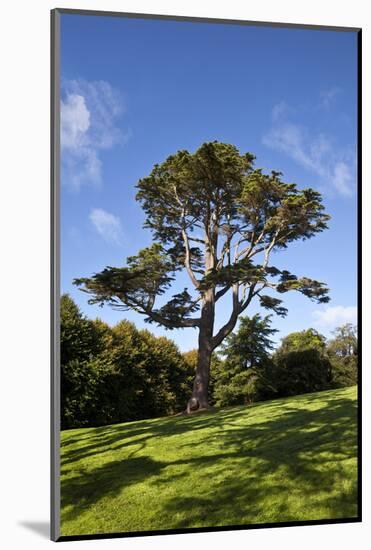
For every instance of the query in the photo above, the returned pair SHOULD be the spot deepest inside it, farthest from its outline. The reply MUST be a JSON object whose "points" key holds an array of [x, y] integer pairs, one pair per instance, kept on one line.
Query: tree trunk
{"points": [[199, 398]]}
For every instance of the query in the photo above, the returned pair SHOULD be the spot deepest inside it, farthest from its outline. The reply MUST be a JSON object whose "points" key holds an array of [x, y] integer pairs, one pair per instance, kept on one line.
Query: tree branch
{"points": [[196, 240], [181, 323], [269, 249], [187, 260], [158, 318], [251, 250], [225, 250], [244, 304], [231, 323], [221, 292]]}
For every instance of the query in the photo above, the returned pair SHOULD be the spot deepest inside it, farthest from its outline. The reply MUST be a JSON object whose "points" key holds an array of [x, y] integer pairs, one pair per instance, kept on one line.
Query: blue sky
{"points": [[135, 91]]}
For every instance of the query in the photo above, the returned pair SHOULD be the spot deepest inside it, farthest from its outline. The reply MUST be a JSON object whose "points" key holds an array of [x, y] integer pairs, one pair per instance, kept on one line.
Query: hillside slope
{"points": [[291, 459]]}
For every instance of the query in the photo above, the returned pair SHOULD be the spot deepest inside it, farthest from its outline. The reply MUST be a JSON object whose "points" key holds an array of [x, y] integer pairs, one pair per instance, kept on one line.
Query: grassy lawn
{"points": [[285, 460]]}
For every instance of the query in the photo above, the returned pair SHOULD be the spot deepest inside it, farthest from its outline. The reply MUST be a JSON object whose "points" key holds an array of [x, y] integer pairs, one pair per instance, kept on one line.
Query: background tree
{"points": [[251, 345], [219, 219], [343, 354], [167, 375], [300, 365], [79, 343], [117, 374], [300, 341], [240, 377], [77, 333], [345, 342], [297, 372]]}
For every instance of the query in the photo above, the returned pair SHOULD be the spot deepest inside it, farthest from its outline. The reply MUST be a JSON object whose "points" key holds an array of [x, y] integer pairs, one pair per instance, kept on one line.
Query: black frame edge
{"points": [[195, 530], [195, 19]]}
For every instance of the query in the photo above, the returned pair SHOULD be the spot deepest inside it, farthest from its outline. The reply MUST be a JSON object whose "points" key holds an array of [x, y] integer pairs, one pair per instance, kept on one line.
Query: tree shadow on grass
{"points": [[132, 434], [309, 448], [299, 442], [89, 486], [103, 439]]}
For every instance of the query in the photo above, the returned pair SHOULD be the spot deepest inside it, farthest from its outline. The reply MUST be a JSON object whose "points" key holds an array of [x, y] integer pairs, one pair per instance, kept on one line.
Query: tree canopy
{"points": [[305, 339], [345, 342], [342, 350], [212, 202], [217, 217]]}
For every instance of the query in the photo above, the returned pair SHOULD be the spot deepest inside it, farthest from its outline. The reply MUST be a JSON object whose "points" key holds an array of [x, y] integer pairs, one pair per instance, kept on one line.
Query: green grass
{"points": [[291, 459]]}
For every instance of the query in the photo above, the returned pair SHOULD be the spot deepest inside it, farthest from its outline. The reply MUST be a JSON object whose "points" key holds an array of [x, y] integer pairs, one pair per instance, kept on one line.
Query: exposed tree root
{"points": [[193, 407]]}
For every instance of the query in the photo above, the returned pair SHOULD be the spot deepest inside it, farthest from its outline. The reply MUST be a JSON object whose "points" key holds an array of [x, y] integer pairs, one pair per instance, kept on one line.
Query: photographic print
{"points": [[205, 325]]}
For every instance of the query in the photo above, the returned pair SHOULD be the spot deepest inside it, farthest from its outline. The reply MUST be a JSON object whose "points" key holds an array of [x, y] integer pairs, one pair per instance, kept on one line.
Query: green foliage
{"points": [[165, 388], [344, 343], [234, 386], [77, 333], [212, 213], [343, 354], [116, 374], [305, 362], [79, 344], [344, 371], [290, 213], [251, 345], [297, 372], [299, 365], [124, 287], [80, 395], [213, 175], [300, 341], [110, 375], [239, 378]]}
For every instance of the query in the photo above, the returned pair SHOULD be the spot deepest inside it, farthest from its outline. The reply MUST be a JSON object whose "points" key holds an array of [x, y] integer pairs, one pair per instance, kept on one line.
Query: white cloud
{"points": [[317, 154], [89, 114], [107, 225], [280, 110], [328, 96], [343, 178], [334, 316], [75, 121]]}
